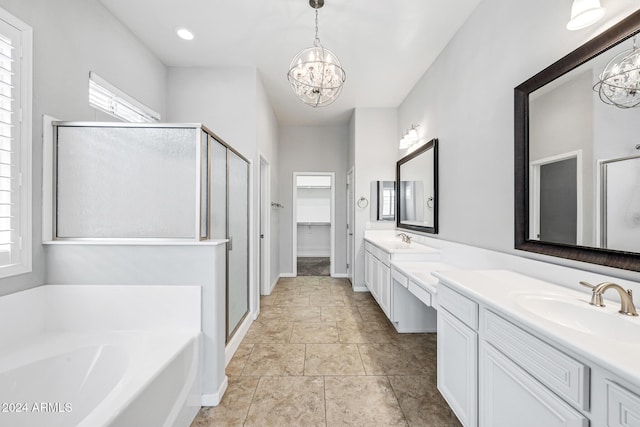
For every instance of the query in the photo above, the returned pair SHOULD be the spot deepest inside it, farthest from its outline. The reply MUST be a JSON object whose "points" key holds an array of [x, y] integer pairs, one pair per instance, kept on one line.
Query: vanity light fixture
{"points": [[619, 82], [409, 138], [315, 73], [584, 13], [184, 33]]}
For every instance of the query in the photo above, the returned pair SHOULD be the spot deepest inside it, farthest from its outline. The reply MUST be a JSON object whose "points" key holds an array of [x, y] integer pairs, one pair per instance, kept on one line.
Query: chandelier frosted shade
{"points": [[619, 83], [316, 76]]}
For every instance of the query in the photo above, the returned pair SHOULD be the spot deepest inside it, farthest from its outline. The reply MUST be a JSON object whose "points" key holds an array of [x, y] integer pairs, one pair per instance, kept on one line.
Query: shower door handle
{"points": [[230, 244]]}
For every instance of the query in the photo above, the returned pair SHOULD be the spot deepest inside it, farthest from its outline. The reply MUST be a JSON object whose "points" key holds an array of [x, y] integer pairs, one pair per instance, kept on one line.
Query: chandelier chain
{"points": [[316, 41]]}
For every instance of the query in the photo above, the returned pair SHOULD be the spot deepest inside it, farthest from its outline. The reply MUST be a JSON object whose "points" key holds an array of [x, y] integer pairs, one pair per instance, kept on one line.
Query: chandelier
{"points": [[619, 83], [315, 73]]}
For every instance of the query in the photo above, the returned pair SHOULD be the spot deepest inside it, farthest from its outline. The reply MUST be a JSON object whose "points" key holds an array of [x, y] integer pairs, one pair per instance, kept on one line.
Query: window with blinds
{"points": [[15, 153], [111, 100], [8, 184]]}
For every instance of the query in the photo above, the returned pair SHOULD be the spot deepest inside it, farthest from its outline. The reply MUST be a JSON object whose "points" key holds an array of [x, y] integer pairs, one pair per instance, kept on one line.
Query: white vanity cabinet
{"points": [[407, 313], [458, 354], [500, 367], [378, 276]]}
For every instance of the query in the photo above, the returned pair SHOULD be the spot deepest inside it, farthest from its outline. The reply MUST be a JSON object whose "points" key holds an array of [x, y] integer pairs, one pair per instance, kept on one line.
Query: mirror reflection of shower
{"points": [[620, 203]]}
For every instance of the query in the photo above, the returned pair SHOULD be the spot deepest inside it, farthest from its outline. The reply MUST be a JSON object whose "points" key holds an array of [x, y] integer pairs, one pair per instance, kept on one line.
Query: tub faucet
{"points": [[405, 237], [626, 297]]}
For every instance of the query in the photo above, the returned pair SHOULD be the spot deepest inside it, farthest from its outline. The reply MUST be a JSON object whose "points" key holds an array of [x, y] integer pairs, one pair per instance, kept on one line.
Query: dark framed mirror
{"points": [[577, 157], [417, 189]]}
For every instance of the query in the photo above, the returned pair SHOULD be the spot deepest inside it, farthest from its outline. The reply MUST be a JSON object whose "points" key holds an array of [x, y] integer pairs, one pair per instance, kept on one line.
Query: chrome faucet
{"points": [[405, 237], [626, 297]]}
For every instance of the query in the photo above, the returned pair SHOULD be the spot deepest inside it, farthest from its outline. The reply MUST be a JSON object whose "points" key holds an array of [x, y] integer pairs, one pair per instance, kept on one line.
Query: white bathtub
{"points": [[93, 374]]}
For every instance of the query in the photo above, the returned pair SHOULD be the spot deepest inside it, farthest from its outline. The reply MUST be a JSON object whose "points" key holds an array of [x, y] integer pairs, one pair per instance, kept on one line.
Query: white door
{"points": [[350, 222]]}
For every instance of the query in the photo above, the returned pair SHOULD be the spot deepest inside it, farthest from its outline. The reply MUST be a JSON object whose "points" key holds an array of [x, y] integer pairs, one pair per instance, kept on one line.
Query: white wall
{"points": [[268, 145], [313, 149], [374, 142], [232, 103], [71, 38], [466, 100]]}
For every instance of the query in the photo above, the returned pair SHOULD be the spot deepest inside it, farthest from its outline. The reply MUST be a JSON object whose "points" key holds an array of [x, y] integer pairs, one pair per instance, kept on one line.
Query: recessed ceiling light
{"points": [[184, 34]]}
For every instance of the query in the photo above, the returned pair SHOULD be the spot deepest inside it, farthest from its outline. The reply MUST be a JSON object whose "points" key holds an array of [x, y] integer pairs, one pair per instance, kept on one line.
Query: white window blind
{"points": [[15, 146], [111, 100], [8, 132]]}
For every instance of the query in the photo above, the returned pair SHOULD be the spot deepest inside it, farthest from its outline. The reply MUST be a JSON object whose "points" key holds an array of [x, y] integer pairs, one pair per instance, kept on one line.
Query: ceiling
{"points": [[384, 46]]}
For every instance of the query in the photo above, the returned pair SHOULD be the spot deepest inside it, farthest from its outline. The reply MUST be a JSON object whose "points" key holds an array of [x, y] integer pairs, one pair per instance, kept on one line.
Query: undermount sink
{"points": [[580, 316], [397, 244]]}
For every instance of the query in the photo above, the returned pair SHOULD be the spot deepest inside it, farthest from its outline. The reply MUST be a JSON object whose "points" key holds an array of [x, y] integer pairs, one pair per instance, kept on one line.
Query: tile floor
{"points": [[320, 354]]}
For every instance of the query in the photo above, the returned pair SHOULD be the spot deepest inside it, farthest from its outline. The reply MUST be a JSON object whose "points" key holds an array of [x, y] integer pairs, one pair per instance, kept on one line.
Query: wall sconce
{"points": [[584, 13], [409, 138]]}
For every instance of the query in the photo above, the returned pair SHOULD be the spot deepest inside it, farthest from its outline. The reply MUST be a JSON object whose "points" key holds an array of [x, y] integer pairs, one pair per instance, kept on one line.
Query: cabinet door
{"points": [[503, 383], [384, 280], [368, 270], [458, 367]]}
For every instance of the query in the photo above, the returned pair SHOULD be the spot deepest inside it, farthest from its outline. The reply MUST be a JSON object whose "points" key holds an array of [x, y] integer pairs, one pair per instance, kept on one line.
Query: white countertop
{"points": [[395, 245], [421, 272], [617, 349]]}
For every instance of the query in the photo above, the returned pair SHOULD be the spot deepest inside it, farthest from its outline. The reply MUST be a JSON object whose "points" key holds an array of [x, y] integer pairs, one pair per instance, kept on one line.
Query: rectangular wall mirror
{"points": [[417, 190], [578, 154], [383, 200]]}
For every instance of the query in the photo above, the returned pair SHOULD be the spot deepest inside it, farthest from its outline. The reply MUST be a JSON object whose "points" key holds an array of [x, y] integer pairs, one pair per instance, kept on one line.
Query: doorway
{"points": [[313, 223], [350, 226], [556, 199], [265, 227]]}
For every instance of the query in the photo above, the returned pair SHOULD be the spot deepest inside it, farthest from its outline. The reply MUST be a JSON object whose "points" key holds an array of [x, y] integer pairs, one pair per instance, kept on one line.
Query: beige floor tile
{"points": [[389, 359], [233, 409], [265, 330], [333, 359], [292, 299], [314, 291], [371, 313], [362, 333], [334, 281], [341, 314], [307, 281], [314, 333], [361, 401], [288, 401], [421, 402], [275, 359], [292, 313], [236, 364], [326, 300], [268, 300]]}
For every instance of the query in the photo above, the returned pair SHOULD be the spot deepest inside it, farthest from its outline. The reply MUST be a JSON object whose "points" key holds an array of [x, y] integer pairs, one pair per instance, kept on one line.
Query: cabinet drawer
{"points": [[399, 277], [460, 306], [420, 293], [561, 373], [623, 407], [510, 397]]}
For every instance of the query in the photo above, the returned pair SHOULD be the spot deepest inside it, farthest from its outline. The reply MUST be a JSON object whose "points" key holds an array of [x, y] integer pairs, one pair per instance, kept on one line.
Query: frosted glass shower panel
{"points": [[238, 285], [126, 182]]}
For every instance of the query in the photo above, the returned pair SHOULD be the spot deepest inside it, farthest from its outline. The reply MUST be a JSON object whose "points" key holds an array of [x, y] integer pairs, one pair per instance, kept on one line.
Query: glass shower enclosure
{"points": [[154, 181]]}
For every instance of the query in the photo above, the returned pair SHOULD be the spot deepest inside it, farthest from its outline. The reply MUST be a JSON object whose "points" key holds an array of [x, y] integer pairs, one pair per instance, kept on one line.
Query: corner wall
{"points": [[466, 100], [71, 38], [375, 146]]}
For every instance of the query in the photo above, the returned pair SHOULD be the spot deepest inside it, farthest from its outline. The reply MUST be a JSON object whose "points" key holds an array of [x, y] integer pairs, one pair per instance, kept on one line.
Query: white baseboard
{"points": [[273, 285], [215, 398], [287, 275], [360, 289], [340, 275], [314, 254], [234, 343]]}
